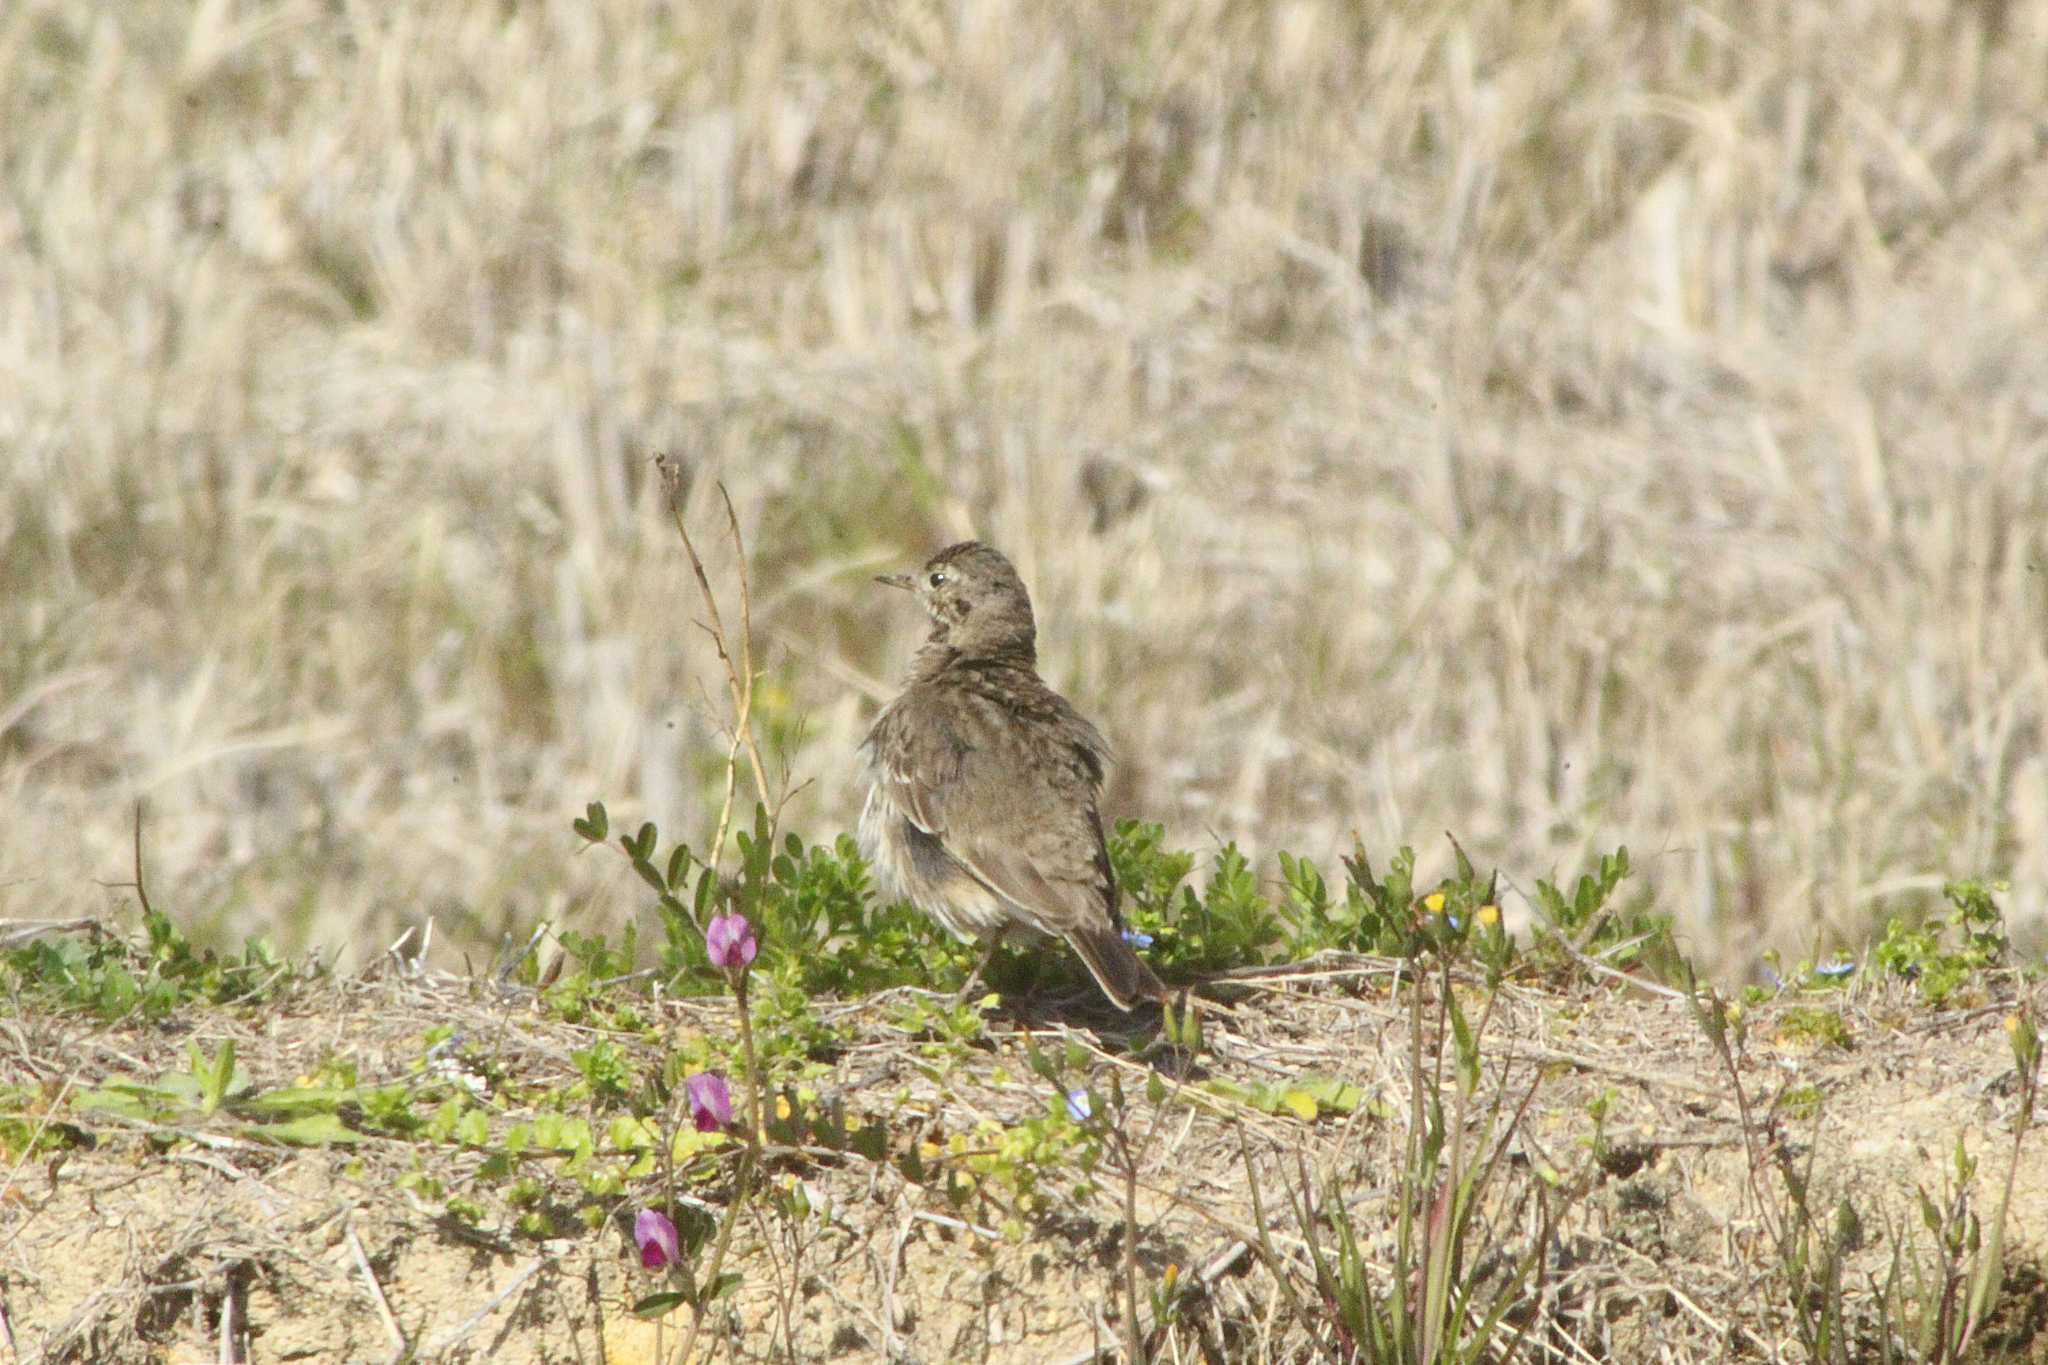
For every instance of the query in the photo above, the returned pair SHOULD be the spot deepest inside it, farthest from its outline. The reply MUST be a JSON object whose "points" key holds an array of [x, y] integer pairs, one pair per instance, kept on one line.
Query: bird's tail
{"points": [[1121, 973]]}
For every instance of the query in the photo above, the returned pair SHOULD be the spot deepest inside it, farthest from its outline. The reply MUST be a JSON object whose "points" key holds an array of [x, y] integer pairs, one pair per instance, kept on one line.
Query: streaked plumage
{"points": [[984, 782]]}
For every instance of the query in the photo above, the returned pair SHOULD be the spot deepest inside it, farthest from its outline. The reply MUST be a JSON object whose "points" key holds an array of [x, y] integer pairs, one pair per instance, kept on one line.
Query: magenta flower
{"points": [[730, 941], [710, 1101], [655, 1235]]}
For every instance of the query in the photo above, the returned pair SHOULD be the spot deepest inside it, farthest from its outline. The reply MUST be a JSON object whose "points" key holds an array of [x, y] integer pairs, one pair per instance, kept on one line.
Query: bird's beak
{"points": [[897, 580]]}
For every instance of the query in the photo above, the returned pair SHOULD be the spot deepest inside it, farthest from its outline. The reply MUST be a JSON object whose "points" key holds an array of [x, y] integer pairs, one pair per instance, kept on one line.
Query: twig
{"points": [[218, 1141], [230, 1331], [19, 931], [1328, 963], [1214, 1269], [742, 688], [447, 1340], [141, 887], [746, 699], [890, 1271], [943, 1221], [540, 932], [355, 1246], [138, 886], [708, 1286]]}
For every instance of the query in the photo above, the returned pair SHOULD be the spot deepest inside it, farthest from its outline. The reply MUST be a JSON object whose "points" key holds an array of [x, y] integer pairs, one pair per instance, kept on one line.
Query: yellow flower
{"points": [[1172, 1277], [1489, 914], [2012, 1023], [1434, 902]]}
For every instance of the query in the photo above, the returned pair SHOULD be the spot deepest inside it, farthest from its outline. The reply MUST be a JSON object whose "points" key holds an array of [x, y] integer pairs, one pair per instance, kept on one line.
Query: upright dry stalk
{"points": [[739, 674]]}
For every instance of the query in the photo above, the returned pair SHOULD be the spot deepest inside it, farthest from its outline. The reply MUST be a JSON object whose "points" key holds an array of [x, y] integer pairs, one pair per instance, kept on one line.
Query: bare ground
{"points": [[133, 1243]]}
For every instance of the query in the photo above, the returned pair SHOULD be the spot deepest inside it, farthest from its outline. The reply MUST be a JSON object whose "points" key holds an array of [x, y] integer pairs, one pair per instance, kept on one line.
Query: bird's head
{"points": [[977, 602]]}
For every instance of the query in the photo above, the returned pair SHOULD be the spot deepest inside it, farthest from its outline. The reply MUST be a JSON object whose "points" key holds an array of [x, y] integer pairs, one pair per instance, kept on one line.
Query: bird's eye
{"points": [[938, 579]]}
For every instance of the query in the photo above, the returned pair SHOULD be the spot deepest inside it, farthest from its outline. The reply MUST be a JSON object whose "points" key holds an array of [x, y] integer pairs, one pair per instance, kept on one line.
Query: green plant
{"points": [[1362, 922], [1949, 1305], [1227, 924], [214, 1090], [1450, 1282], [112, 977], [1938, 956], [1588, 931]]}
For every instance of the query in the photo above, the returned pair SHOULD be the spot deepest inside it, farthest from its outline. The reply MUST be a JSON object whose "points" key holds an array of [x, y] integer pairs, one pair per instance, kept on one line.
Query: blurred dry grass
{"points": [[1563, 423]]}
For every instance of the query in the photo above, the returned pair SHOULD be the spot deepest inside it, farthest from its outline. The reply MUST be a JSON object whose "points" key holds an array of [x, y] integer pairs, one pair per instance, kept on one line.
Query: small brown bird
{"points": [[981, 807]]}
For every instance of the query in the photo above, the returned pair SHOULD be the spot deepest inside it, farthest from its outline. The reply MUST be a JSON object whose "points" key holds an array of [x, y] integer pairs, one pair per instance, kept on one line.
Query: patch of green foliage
{"points": [[115, 977], [1813, 1026], [1939, 955], [822, 930], [1588, 923]]}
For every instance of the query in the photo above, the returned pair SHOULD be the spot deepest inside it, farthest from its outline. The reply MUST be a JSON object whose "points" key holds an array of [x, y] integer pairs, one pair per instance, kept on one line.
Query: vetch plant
{"points": [[655, 1234], [729, 943], [710, 1102], [729, 939]]}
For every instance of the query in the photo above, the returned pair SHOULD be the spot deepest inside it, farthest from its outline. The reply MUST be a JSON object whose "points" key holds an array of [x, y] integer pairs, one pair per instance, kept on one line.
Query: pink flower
{"points": [[710, 1102], [655, 1235], [730, 941]]}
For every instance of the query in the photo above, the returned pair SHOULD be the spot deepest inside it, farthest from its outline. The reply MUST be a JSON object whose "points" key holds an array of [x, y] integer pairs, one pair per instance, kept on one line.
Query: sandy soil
{"points": [[132, 1243]]}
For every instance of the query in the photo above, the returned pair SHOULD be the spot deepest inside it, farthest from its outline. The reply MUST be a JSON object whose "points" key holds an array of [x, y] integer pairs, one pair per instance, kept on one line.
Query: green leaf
{"points": [[473, 1129], [295, 1101], [659, 1305], [629, 1134], [124, 1098], [869, 1140], [1038, 1062], [1299, 1103], [214, 1077], [309, 1130], [1338, 1097]]}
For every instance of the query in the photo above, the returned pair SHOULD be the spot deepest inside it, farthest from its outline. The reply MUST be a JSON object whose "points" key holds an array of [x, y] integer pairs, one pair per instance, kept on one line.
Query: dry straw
{"points": [[1566, 424]]}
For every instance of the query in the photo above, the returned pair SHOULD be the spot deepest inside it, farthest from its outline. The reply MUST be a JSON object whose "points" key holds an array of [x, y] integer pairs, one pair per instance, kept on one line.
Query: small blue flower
{"points": [[1836, 970], [1136, 939], [1079, 1107]]}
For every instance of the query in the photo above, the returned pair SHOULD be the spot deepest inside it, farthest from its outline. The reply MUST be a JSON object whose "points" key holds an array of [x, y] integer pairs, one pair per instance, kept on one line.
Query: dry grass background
{"points": [[1562, 423]]}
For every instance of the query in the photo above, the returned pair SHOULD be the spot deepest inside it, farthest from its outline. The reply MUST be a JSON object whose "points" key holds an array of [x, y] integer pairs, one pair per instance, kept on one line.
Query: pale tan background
{"points": [[1562, 424]]}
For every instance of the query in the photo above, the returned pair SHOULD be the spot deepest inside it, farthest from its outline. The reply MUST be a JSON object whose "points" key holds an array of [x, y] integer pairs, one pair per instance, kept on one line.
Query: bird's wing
{"points": [[1055, 885], [916, 767], [1035, 838]]}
